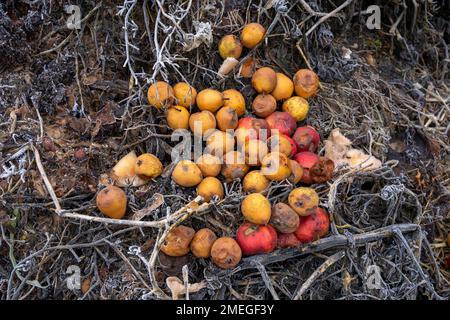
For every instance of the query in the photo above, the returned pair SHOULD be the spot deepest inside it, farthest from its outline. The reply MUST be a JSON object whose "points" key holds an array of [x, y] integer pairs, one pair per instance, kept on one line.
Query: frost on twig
{"points": [[203, 34]]}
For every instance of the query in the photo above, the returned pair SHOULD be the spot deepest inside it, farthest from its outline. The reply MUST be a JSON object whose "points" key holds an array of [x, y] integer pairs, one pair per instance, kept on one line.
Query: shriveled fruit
{"points": [[255, 182], [256, 208], [284, 88], [226, 253], [201, 123], [202, 243], [209, 165], [178, 117], [281, 122], [252, 34], [287, 240], [275, 166], [264, 80], [322, 170], [123, 172], [234, 166], [148, 165], [297, 172], [303, 200], [307, 160], [255, 151], [314, 226], [307, 139], [160, 94], [306, 83], [209, 188], [227, 118], [248, 67], [112, 202], [264, 105], [185, 94], [187, 174], [283, 218], [255, 239], [219, 143], [210, 100], [234, 99], [177, 242], [297, 107], [282, 143], [251, 128], [230, 46]]}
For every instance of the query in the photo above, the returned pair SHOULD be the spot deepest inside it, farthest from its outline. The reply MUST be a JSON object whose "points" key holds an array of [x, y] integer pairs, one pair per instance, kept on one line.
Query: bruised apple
{"points": [[255, 239], [283, 218], [209, 165], [219, 143], [148, 165], [255, 151], [112, 202], [178, 241], [282, 143], [307, 160], [281, 121], [275, 166], [201, 123], [287, 240], [202, 243], [187, 174], [264, 105], [234, 166], [322, 170], [303, 200], [227, 118], [307, 139], [297, 107], [255, 182], [314, 226], [264, 80], [306, 83], [297, 172], [234, 99], [226, 253], [230, 46], [160, 94], [284, 88], [209, 99], [185, 94]]}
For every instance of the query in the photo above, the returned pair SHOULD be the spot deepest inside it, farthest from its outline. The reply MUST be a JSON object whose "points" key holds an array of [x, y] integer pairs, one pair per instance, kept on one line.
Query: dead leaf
{"points": [[156, 201]]}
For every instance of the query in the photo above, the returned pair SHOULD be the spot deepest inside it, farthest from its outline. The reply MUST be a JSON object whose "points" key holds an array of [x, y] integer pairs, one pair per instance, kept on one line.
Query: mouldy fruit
{"points": [[255, 239], [160, 94], [306, 83], [306, 160], [297, 172], [123, 172], [210, 100], [275, 166], [283, 218], [281, 121], [256, 208], [202, 243], [255, 182], [209, 165], [178, 241], [307, 139], [187, 174], [234, 166], [284, 87], [282, 143], [227, 118], [230, 47], [303, 200], [234, 99], [112, 202], [314, 226], [226, 253], [178, 117], [210, 187], [185, 94], [287, 240], [148, 165], [201, 122], [264, 105], [255, 151], [264, 80], [297, 107], [322, 170], [248, 67], [218, 143], [252, 34], [251, 128]]}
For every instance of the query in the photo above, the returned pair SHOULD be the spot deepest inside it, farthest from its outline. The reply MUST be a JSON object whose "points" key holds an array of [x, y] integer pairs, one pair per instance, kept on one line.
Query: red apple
{"points": [[314, 226], [307, 160], [254, 239], [287, 240], [281, 121], [251, 128], [307, 139]]}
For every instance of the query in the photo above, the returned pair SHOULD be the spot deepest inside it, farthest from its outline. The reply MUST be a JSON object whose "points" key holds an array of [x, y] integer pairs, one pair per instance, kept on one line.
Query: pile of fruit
{"points": [[256, 149]]}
